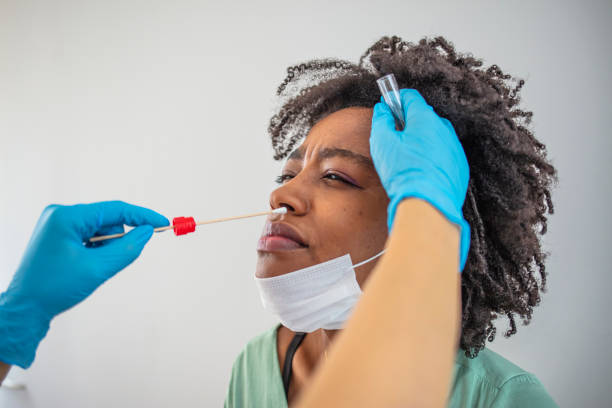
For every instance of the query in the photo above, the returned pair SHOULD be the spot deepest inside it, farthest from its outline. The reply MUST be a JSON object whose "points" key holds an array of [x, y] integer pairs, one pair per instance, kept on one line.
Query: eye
{"points": [[332, 176], [337, 177], [283, 177]]}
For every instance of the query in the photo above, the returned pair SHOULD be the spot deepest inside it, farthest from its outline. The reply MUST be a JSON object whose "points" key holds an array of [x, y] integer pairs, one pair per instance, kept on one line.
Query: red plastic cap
{"points": [[183, 225]]}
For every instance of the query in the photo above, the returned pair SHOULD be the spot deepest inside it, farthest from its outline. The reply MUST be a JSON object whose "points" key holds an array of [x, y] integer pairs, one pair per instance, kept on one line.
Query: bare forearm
{"points": [[4, 369], [398, 348]]}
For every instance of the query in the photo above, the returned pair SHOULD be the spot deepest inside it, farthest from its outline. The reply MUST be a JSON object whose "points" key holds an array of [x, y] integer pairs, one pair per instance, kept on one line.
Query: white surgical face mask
{"points": [[320, 296]]}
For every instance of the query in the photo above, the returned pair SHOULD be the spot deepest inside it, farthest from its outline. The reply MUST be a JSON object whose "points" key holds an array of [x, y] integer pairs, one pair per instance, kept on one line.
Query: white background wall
{"points": [[165, 104]]}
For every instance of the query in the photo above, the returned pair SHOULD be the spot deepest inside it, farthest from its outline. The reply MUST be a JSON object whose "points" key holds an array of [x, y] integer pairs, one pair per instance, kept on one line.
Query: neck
{"points": [[328, 336], [311, 353], [315, 348], [322, 345]]}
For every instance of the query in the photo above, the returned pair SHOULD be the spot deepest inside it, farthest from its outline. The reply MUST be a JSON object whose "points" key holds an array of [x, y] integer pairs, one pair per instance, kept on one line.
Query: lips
{"points": [[278, 236]]}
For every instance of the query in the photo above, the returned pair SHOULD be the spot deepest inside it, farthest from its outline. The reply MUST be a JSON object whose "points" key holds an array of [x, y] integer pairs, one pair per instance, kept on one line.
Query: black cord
{"points": [[293, 346]]}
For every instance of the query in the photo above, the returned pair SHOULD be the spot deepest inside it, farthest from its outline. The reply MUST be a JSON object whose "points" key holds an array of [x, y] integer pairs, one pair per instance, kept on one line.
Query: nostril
{"points": [[288, 207]]}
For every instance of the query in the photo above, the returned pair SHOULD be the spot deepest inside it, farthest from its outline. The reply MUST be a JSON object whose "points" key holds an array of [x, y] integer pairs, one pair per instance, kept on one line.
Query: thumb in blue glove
{"points": [[58, 271], [425, 160]]}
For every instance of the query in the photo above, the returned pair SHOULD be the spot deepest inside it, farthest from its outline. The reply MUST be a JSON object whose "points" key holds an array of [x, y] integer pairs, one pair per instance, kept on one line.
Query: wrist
{"points": [[446, 209], [440, 200], [22, 327]]}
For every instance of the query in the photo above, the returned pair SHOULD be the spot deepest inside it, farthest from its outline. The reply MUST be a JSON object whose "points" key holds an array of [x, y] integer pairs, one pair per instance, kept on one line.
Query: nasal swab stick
{"points": [[184, 225]]}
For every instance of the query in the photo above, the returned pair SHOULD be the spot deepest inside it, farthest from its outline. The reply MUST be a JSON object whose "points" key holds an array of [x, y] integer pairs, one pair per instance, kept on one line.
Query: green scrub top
{"points": [[489, 380]]}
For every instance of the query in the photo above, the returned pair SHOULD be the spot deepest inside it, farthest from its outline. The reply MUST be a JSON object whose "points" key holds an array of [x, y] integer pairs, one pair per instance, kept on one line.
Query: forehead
{"points": [[347, 128]]}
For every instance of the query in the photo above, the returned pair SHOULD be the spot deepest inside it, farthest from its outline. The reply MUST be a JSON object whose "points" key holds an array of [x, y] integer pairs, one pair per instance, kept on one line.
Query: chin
{"points": [[271, 264]]}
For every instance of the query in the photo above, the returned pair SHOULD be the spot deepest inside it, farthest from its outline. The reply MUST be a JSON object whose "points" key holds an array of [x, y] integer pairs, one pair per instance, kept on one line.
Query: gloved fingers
{"points": [[120, 252], [119, 212], [382, 119], [112, 229], [109, 213], [107, 230], [411, 101], [448, 125], [460, 157]]}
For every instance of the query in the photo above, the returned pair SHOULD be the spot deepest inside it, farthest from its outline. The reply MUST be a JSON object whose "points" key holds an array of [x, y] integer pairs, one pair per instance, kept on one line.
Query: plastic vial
{"points": [[390, 93]]}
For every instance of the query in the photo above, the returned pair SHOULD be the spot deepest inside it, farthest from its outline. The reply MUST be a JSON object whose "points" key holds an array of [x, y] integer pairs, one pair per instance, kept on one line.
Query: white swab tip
{"points": [[281, 210]]}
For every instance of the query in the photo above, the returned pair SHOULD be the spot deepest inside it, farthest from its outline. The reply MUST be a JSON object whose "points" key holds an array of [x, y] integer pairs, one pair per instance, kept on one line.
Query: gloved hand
{"points": [[425, 160], [58, 270]]}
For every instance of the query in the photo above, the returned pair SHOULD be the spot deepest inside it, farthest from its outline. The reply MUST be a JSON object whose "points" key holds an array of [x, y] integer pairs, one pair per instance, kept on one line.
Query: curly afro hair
{"points": [[508, 195]]}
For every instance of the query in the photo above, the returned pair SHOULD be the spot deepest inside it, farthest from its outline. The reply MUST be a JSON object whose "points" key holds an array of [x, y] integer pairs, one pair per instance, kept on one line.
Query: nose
{"points": [[291, 196]]}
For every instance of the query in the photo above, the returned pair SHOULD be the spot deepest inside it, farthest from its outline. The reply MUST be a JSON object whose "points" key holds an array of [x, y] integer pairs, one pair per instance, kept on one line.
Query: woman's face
{"points": [[334, 199]]}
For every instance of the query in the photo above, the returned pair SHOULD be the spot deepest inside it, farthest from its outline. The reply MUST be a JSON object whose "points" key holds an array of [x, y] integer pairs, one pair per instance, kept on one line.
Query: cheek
{"points": [[364, 272], [358, 227], [367, 235]]}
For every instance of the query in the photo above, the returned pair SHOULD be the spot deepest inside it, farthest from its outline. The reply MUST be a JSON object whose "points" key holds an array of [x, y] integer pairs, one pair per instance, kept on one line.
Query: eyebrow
{"points": [[327, 152]]}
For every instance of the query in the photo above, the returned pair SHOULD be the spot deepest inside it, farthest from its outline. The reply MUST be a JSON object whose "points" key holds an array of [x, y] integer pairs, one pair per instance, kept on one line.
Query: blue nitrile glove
{"points": [[58, 271], [425, 160]]}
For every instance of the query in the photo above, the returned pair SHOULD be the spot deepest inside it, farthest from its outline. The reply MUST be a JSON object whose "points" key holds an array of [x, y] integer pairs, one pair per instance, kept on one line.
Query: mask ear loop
{"points": [[369, 259]]}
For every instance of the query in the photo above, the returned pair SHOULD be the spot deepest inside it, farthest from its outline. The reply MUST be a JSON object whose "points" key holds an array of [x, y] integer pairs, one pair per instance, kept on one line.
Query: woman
{"points": [[337, 197]]}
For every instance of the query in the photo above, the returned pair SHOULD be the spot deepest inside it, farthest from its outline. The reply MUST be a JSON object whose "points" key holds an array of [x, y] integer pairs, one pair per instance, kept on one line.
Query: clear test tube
{"points": [[390, 92]]}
